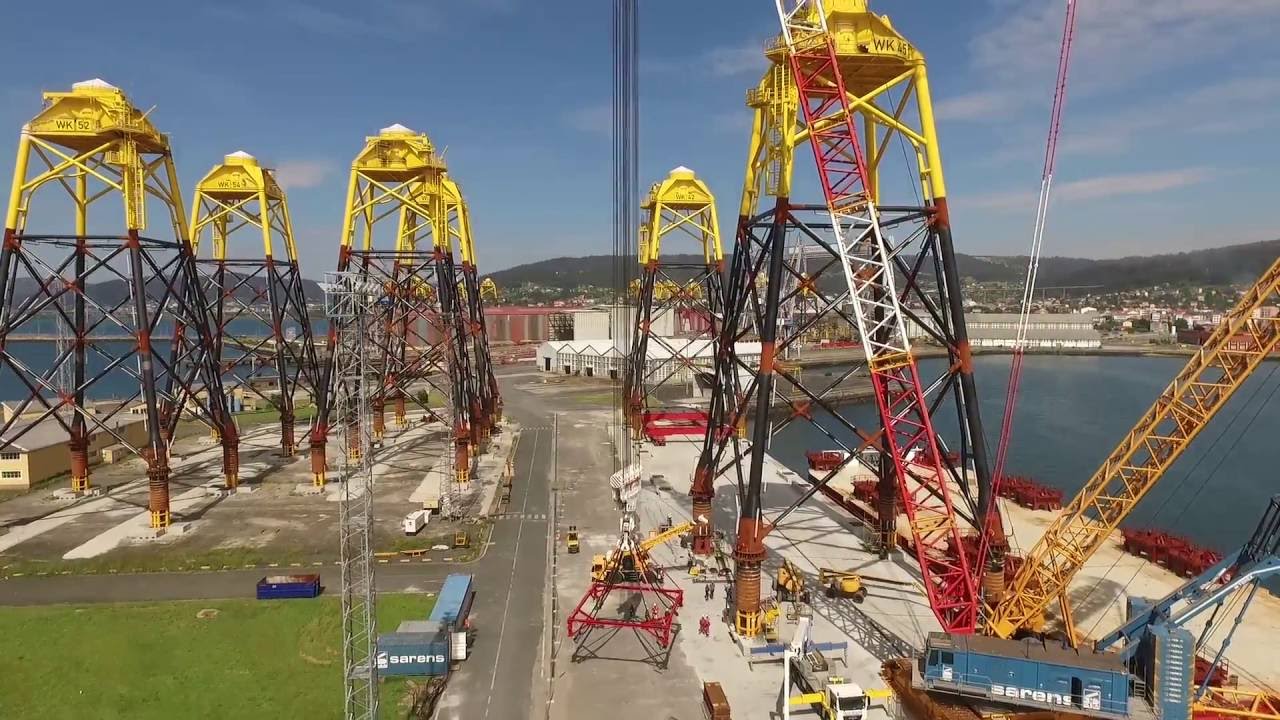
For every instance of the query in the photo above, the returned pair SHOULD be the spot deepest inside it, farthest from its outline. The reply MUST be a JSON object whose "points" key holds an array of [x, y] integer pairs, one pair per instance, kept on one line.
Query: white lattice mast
{"points": [[349, 298], [869, 273]]}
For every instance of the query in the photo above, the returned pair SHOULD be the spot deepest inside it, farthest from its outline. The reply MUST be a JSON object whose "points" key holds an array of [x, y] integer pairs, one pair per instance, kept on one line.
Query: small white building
{"points": [[602, 358]]}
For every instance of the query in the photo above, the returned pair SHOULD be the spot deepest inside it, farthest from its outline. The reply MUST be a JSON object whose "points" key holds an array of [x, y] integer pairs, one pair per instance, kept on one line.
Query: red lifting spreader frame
{"points": [[658, 625], [899, 396]]}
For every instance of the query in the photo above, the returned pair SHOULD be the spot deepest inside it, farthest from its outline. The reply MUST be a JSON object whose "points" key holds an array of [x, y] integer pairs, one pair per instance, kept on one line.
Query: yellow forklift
{"points": [[849, 584], [571, 540]]}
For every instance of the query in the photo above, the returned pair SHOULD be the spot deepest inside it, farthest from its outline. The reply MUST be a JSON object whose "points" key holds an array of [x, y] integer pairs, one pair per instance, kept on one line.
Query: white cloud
{"points": [[720, 62], [731, 61], [1234, 105], [292, 174], [974, 106], [1117, 41], [594, 119], [1086, 189], [390, 19], [1117, 44], [1143, 183]]}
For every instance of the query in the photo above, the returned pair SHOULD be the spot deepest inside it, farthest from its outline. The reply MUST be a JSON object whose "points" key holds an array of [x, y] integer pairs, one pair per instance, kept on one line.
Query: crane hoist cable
{"points": [[1029, 287]]}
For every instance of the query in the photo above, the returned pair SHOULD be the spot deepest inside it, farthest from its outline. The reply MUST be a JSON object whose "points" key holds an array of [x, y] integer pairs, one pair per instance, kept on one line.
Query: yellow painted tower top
{"points": [[694, 213], [398, 154], [875, 53], [92, 113], [240, 175], [680, 189]]}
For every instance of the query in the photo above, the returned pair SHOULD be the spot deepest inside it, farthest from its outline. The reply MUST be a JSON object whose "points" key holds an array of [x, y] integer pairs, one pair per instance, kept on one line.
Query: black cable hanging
{"points": [[626, 141]]}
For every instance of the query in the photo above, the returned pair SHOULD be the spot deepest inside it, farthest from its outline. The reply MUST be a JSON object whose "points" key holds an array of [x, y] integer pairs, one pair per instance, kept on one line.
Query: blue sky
{"points": [[1167, 144]]}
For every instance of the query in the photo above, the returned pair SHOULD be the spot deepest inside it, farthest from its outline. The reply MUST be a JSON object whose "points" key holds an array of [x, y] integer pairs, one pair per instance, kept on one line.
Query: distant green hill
{"points": [[1234, 264]]}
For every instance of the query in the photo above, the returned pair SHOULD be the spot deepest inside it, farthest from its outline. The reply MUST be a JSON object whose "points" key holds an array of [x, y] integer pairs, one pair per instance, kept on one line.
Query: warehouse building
{"points": [[616, 322], [41, 452], [1046, 331], [602, 358]]}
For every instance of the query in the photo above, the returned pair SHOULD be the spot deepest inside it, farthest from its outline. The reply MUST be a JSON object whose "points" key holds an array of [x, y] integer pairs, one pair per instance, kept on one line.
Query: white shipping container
{"points": [[458, 645], [415, 521]]}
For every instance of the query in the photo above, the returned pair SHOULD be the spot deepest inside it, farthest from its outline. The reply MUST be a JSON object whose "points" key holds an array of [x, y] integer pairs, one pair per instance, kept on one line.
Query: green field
{"points": [[250, 659]]}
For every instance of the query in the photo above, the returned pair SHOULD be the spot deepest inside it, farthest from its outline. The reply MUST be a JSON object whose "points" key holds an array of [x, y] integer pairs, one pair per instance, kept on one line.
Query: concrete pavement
{"points": [[497, 681]]}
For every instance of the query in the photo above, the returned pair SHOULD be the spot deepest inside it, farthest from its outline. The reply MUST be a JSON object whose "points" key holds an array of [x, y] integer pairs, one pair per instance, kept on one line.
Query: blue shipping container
{"points": [[412, 654], [280, 587], [454, 602], [1027, 673]]}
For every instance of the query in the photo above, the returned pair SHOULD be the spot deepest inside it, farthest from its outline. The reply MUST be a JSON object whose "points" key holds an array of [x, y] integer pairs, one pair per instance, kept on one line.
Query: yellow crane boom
{"points": [[666, 536], [1236, 347]]}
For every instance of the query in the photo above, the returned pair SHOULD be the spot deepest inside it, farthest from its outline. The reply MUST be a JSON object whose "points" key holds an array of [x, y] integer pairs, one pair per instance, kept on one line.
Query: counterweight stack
{"points": [[843, 81], [262, 335], [113, 295]]}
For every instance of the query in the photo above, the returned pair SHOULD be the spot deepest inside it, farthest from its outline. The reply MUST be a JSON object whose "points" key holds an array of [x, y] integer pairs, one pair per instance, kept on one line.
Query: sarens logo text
{"points": [[1041, 696], [387, 659]]}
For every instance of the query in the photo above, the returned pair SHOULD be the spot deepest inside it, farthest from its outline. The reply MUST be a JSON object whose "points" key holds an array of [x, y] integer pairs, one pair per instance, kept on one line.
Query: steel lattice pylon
{"points": [[351, 301], [110, 295], [875, 268], [688, 296], [685, 294], [417, 344], [487, 413], [254, 351]]}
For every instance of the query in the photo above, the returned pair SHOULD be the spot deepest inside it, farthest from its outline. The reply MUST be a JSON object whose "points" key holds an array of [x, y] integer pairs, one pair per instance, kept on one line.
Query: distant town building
{"points": [[1194, 336], [1044, 330]]}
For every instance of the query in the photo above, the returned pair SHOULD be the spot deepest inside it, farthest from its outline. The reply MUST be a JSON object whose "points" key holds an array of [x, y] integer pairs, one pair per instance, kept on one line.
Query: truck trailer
{"points": [[415, 521]]}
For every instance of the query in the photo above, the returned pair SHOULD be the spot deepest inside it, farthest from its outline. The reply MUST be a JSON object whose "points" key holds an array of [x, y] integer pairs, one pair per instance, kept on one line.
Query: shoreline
{"points": [[844, 356]]}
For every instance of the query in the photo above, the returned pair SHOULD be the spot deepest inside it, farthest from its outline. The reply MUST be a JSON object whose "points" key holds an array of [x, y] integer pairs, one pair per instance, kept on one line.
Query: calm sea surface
{"points": [[1072, 411]]}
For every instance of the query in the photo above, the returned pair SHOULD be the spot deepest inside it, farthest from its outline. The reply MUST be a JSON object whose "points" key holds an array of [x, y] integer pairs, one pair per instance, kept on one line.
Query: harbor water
{"points": [[1071, 413]]}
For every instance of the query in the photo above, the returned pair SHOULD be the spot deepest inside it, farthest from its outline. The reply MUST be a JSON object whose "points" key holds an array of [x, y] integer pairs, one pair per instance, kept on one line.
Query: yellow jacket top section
{"points": [[690, 199], [863, 37], [398, 154], [239, 176], [93, 113]]}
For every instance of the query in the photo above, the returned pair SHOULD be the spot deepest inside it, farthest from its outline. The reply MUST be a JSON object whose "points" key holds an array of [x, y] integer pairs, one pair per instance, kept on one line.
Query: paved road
{"points": [[496, 682]]}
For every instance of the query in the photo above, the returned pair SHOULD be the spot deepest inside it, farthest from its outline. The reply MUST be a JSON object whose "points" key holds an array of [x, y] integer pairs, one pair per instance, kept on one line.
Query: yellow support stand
{"points": [[749, 624]]}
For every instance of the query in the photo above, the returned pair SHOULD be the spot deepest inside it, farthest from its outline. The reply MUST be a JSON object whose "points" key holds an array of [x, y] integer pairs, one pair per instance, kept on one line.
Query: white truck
{"points": [[415, 521]]}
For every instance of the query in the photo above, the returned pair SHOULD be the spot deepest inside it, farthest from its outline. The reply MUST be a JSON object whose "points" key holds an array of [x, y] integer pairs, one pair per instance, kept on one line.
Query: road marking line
{"points": [[515, 557]]}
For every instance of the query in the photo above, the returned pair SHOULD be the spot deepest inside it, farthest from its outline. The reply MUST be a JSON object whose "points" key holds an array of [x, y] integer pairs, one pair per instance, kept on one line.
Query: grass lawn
{"points": [[251, 659]]}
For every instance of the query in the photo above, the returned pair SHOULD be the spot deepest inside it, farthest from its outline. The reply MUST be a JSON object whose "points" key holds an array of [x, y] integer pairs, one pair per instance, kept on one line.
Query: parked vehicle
{"points": [[415, 521]]}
